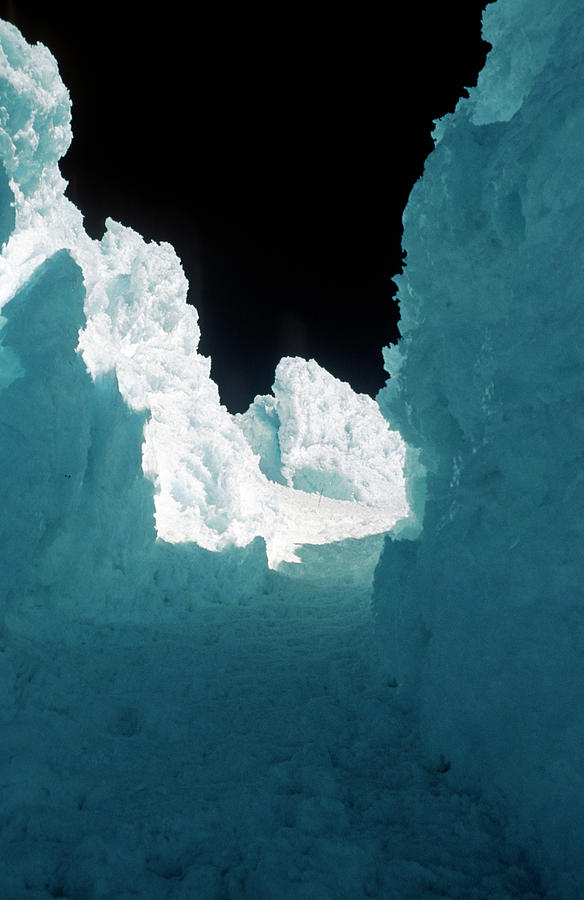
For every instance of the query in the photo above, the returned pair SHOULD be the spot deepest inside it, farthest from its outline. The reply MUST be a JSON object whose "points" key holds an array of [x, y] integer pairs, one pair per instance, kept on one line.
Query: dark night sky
{"points": [[274, 150]]}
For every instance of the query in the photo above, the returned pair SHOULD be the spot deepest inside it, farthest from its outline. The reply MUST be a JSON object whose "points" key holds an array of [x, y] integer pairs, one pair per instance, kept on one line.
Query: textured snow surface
{"points": [[317, 435], [244, 748], [481, 617]]}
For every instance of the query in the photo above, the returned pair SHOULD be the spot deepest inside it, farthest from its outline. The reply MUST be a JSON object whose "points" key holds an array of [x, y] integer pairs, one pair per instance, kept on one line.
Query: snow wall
{"points": [[481, 617], [119, 467]]}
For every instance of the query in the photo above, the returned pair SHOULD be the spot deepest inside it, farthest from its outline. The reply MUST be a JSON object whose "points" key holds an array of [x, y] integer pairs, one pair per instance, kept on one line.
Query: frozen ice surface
{"points": [[178, 719]]}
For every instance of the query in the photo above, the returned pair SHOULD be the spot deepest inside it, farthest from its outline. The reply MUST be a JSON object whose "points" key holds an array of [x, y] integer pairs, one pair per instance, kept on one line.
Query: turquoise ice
{"points": [[332, 647], [484, 610]]}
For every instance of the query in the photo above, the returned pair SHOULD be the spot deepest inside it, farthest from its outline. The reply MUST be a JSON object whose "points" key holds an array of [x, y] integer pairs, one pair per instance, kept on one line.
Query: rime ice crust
{"points": [[35, 114], [481, 617], [317, 435], [209, 487]]}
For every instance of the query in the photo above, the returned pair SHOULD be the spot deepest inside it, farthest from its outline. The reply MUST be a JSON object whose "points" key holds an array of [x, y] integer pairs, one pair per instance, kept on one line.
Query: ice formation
{"points": [[481, 616], [315, 434], [212, 728], [209, 487]]}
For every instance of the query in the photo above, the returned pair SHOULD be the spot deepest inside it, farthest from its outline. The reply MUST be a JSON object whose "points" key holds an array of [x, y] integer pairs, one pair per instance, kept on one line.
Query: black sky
{"points": [[274, 149]]}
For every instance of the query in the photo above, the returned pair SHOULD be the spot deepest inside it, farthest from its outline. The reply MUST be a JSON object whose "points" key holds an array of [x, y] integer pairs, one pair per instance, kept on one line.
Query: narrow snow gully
{"points": [[251, 751]]}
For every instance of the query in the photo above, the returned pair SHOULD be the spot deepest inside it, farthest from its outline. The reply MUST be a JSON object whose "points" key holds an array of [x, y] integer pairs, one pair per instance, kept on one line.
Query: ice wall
{"points": [[481, 617], [97, 327]]}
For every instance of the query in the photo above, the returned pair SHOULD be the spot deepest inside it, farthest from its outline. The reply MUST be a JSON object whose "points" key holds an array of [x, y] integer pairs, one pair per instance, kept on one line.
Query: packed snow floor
{"points": [[251, 751]]}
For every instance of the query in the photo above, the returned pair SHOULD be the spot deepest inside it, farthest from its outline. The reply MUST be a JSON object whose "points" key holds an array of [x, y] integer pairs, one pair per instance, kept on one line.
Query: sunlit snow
{"points": [[209, 486]]}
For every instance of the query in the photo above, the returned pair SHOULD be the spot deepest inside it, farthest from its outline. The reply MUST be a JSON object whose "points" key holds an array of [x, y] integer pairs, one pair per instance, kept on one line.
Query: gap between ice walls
{"points": [[480, 614], [314, 463], [481, 617]]}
